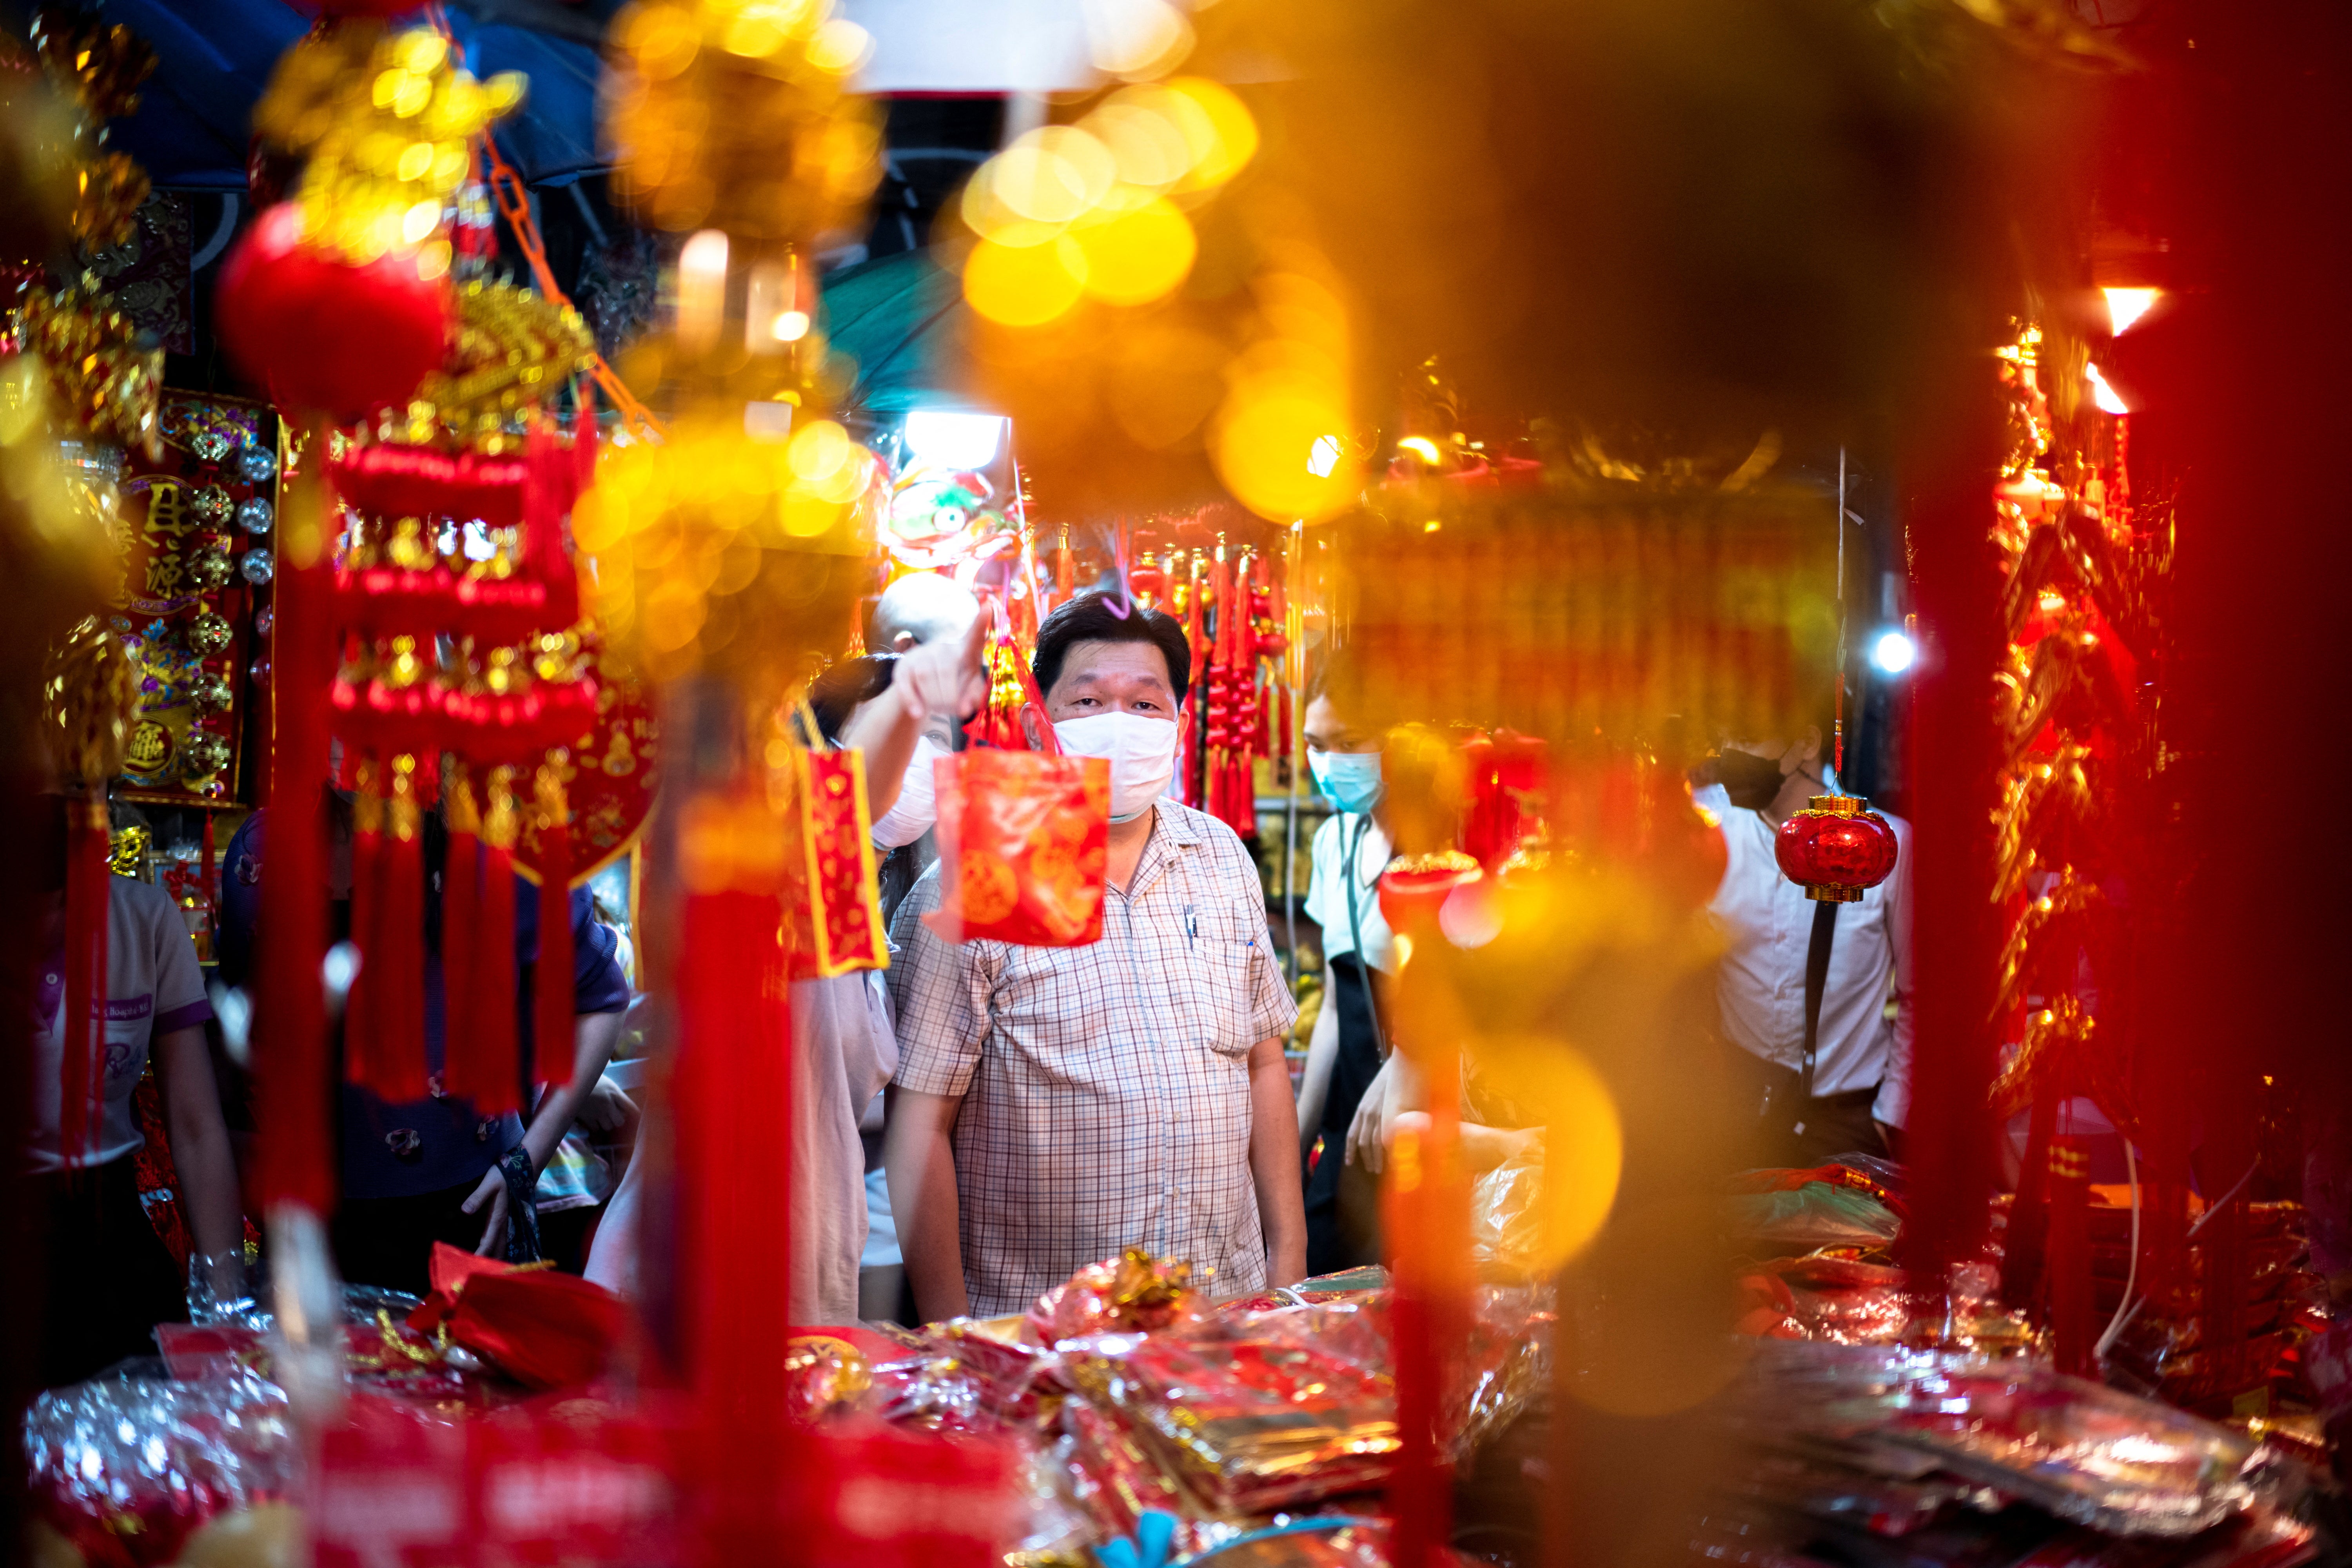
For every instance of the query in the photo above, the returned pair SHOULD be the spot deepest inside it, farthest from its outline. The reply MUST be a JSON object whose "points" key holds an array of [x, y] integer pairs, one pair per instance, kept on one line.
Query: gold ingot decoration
{"points": [[89, 688], [515, 350], [101, 66], [714, 551], [737, 115], [201, 755], [101, 375], [126, 855], [386, 119], [208, 634], [211, 693], [209, 569], [107, 192]]}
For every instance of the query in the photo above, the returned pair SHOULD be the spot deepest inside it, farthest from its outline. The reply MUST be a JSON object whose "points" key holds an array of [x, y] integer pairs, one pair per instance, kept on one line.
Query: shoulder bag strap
{"points": [[1356, 932], [1817, 974]]}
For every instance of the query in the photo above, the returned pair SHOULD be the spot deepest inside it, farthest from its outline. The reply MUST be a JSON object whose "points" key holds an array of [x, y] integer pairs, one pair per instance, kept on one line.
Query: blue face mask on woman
{"points": [[1349, 780]]}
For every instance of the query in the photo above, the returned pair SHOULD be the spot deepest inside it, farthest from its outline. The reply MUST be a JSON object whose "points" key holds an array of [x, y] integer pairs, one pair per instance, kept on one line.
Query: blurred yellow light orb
{"points": [[817, 452], [1265, 449], [1584, 1154], [1138, 126], [1139, 255], [1230, 140], [1024, 286], [1137, 40], [841, 46]]}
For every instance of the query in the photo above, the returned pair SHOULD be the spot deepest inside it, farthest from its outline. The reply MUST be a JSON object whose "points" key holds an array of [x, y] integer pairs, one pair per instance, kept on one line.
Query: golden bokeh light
{"points": [[1137, 40], [1585, 1147], [1219, 128], [1265, 449], [1135, 257], [1025, 285]]}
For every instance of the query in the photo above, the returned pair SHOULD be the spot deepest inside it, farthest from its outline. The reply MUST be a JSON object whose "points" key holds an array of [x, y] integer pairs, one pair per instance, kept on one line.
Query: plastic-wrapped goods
{"points": [[1506, 1215], [1845, 1301], [1812, 1215], [1013, 1371], [1132, 1293], [128, 1465], [1505, 1365], [1255, 1412], [2090, 1455], [1348, 1285]]}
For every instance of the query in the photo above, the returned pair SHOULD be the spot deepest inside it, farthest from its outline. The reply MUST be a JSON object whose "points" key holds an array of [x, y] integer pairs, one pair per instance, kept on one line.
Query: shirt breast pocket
{"points": [[1220, 980]]}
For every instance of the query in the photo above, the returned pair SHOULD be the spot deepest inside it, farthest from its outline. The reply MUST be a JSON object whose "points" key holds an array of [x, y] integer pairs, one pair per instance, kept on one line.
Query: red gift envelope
{"points": [[1022, 838]]}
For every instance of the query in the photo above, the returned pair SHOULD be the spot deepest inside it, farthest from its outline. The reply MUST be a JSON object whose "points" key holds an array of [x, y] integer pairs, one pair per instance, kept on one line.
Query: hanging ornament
{"points": [[1837, 847], [89, 690], [338, 296]]}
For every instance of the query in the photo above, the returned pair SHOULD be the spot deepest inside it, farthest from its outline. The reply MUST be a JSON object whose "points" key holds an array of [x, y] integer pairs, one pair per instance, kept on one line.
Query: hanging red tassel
{"points": [[363, 1014], [398, 961], [81, 1018], [492, 990], [294, 1074], [461, 925], [552, 1024], [733, 1090]]}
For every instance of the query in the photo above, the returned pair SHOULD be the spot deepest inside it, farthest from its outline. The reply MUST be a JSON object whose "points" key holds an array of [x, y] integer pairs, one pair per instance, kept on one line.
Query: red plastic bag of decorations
{"points": [[1022, 838]]}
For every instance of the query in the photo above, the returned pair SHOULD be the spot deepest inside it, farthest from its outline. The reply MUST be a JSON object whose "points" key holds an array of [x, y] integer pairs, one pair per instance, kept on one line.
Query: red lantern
{"points": [[1835, 848], [1414, 887], [322, 333]]}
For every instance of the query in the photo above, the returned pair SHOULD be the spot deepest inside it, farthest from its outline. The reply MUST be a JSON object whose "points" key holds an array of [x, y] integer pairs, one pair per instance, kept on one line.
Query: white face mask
{"points": [[1141, 751], [911, 814]]}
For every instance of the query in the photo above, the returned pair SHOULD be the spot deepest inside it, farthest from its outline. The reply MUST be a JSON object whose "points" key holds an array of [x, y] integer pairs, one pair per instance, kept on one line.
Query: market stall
{"points": [[516, 638]]}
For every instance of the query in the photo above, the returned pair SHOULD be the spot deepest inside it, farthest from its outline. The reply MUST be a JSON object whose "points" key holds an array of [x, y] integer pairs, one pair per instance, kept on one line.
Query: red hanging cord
{"points": [[461, 928], [551, 990], [492, 993]]}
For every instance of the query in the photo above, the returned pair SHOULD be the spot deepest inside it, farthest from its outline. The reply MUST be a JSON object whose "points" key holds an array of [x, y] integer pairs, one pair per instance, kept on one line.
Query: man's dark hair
{"points": [[1090, 618], [840, 690]]}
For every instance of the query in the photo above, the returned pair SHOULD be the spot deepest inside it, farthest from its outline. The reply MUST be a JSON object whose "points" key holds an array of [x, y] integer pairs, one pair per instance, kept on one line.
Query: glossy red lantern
{"points": [[323, 334], [1414, 887], [1835, 848]]}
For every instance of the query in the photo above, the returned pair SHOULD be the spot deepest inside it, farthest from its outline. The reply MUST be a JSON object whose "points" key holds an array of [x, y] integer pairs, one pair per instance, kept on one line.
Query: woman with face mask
{"points": [[1349, 1046]]}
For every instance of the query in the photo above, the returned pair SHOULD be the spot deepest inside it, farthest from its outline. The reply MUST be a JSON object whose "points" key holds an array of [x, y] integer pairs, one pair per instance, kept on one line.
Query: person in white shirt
{"points": [[1861, 1063], [844, 1045], [1347, 1045]]}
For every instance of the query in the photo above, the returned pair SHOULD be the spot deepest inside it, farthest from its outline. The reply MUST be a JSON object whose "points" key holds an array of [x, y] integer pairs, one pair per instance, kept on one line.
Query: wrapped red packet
{"points": [[1132, 1293], [1255, 1412], [1022, 838], [832, 910]]}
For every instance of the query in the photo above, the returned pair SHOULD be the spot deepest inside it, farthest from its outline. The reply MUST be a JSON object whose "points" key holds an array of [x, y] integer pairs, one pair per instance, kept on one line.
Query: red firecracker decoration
{"points": [[323, 334], [1836, 849]]}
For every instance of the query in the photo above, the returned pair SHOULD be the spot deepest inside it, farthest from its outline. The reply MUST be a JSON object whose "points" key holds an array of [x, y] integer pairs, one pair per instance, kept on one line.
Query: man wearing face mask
{"points": [[1349, 1046], [1056, 1105], [1860, 1062]]}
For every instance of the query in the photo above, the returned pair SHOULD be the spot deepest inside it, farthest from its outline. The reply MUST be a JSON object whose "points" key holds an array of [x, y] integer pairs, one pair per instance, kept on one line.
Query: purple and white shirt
{"points": [[153, 986]]}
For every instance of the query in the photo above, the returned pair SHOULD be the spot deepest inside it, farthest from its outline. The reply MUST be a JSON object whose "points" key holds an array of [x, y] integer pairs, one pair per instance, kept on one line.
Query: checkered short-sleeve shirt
{"points": [[1106, 1089]]}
